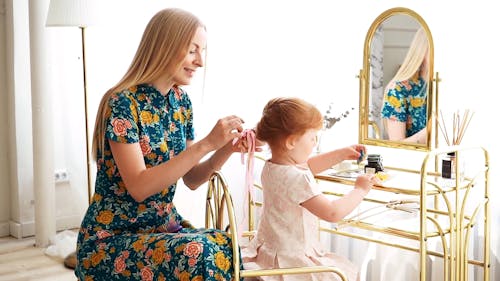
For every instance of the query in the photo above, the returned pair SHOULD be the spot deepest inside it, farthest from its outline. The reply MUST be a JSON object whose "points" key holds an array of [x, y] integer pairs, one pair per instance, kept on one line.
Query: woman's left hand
{"points": [[243, 143]]}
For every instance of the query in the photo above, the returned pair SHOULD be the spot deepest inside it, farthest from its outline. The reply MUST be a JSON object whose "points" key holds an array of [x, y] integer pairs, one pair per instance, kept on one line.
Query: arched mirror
{"points": [[397, 100]]}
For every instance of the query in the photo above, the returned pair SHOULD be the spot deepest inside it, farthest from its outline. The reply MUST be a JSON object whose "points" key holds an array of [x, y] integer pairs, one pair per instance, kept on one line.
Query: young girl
{"points": [[288, 229]]}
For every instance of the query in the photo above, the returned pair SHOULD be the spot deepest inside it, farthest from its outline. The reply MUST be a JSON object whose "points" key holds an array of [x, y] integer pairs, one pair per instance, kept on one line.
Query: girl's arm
{"points": [[335, 210], [324, 161]]}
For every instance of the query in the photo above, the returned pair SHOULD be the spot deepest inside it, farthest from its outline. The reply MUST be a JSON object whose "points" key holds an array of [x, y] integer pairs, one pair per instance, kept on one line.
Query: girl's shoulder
{"points": [[297, 167]]}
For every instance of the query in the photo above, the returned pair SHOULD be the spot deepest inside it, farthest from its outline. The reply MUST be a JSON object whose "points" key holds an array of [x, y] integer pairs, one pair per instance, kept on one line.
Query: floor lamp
{"points": [[76, 13]]}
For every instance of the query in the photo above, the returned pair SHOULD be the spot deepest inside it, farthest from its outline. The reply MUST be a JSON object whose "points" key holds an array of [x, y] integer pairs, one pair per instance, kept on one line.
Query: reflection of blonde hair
{"points": [[414, 59], [163, 46], [284, 117]]}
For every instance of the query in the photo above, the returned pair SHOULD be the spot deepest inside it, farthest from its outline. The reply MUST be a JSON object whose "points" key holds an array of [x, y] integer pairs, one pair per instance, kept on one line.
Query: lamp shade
{"points": [[71, 13]]}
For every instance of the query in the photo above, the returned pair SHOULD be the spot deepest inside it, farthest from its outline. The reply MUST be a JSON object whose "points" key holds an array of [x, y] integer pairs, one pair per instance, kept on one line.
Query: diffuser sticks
{"points": [[460, 123]]}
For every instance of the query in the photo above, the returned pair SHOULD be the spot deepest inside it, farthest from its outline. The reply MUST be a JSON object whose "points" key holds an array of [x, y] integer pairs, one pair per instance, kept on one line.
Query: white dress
{"points": [[287, 234]]}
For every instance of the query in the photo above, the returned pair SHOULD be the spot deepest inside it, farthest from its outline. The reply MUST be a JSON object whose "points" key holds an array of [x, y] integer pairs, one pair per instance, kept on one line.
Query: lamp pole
{"points": [[78, 13], [87, 133]]}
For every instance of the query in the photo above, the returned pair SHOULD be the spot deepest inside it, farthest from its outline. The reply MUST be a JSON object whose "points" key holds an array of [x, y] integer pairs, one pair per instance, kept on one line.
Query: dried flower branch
{"points": [[329, 120]]}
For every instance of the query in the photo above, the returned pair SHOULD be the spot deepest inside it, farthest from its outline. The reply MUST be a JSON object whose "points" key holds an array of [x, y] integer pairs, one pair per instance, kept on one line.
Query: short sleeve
{"points": [[303, 187], [122, 122], [394, 106]]}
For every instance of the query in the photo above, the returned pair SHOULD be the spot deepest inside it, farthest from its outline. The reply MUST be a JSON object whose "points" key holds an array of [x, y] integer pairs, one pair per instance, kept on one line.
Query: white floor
{"points": [[21, 260]]}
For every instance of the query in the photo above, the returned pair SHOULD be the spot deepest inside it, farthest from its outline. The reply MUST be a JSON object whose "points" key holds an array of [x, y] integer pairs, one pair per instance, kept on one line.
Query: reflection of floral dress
{"points": [[123, 239], [407, 102], [287, 234]]}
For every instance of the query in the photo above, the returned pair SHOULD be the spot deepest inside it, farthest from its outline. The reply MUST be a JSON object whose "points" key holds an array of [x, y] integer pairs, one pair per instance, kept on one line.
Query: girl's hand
{"points": [[366, 182], [353, 152]]}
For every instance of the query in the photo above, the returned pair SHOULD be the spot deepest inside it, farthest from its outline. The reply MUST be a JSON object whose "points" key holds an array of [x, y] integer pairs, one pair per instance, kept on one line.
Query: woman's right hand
{"points": [[225, 130]]}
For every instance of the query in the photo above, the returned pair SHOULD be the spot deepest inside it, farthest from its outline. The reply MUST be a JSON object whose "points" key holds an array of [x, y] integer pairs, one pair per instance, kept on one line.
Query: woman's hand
{"points": [[225, 130], [243, 143]]}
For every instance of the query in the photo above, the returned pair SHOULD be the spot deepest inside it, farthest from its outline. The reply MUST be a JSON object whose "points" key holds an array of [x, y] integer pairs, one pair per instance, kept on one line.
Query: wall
{"points": [[17, 214], [20, 148], [4, 155], [256, 50]]}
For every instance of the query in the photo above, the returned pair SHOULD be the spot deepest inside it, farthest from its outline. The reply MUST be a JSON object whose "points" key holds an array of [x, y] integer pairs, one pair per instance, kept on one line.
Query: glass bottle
{"points": [[374, 164], [448, 166]]}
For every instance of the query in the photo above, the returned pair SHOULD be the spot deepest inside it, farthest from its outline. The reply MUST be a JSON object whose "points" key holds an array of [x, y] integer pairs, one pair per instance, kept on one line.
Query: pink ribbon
{"points": [[247, 135]]}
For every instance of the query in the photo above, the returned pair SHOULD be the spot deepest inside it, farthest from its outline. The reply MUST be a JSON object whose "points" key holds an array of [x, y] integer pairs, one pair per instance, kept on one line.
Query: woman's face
{"points": [[193, 59]]}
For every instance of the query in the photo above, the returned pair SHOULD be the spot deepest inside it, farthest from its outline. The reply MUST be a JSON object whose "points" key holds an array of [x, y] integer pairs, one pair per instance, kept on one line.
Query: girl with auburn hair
{"points": [[287, 235]]}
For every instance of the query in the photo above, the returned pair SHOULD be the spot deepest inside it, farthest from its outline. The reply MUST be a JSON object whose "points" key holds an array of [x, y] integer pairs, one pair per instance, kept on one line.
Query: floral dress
{"points": [[121, 239], [407, 102]]}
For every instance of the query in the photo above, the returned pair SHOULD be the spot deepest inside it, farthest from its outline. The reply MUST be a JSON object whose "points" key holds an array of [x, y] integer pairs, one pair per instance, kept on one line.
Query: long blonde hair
{"points": [[163, 46], [414, 59]]}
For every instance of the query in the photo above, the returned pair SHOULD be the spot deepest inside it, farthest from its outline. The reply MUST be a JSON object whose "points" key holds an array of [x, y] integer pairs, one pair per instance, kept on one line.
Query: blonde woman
{"points": [[143, 144], [404, 108]]}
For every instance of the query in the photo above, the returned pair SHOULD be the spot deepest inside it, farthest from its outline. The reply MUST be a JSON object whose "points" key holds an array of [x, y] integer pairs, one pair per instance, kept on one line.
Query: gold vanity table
{"points": [[445, 210], [441, 211]]}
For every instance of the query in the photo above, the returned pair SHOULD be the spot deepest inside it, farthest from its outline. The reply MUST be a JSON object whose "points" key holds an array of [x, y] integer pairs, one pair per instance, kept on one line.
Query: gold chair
{"points": [[219, 209]]}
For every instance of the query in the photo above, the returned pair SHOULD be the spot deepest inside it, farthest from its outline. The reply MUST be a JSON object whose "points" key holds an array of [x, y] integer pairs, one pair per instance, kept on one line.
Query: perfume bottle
{"points": [[449, 166]]}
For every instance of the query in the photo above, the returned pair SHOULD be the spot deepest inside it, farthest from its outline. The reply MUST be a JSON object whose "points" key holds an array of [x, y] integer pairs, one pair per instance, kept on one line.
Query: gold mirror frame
{"points": [[366, 125]]}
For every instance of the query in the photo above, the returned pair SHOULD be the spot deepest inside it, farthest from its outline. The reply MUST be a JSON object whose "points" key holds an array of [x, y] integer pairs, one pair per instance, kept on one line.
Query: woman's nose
{"points": [[199, 60]]}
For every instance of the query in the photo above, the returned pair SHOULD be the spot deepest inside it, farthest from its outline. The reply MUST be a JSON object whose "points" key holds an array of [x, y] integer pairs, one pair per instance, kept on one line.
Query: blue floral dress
{"points": [[121, 239], [407, 102]]}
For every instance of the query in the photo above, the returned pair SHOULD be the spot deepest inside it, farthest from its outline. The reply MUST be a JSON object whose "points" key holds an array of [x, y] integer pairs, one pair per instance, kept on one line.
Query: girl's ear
{"points": [[290, 142]]}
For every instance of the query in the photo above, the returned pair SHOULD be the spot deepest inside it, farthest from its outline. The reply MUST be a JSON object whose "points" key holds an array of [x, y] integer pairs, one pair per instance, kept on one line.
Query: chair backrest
{"points": [[219, 200], [256, 202], [216, 215], [219, 210]]}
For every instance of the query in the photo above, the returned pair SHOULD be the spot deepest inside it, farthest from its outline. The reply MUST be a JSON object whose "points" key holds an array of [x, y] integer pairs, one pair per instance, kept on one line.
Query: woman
{"points": [[405, 100], [143, 144]]}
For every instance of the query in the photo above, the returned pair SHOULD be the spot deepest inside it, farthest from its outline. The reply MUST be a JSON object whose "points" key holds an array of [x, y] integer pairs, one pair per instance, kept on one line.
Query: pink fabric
{"points": [[287, 234], [247, 135]]}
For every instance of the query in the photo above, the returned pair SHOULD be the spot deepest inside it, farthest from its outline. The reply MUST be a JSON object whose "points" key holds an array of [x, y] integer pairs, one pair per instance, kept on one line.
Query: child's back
{"points": [[288, 233]]}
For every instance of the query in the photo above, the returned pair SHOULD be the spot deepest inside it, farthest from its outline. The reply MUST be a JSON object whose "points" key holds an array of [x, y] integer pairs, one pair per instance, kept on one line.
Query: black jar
{"points": [[448, 166], [374, 164]]}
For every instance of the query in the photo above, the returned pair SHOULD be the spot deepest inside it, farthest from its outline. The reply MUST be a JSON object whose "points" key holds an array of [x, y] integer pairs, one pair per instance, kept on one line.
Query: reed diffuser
{"points": [[460, 123]]}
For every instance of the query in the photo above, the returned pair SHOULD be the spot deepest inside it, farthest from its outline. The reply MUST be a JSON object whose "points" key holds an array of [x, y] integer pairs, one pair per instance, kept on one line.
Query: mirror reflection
{"points": [[398, 72], [404, 108]]}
